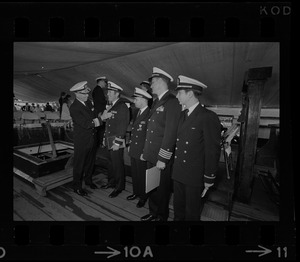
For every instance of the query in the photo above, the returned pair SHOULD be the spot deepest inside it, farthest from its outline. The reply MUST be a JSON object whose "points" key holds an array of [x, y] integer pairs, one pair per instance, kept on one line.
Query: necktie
{"points": [[139, 113], [154, 103], [185, 114]]}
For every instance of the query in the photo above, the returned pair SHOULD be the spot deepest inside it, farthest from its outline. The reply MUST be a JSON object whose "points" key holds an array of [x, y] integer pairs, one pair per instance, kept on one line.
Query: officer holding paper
{"points": [[160, 142], [197, 151]]}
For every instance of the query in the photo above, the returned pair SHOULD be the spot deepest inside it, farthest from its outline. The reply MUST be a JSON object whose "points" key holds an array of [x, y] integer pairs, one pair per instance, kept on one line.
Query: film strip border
{"points": [[173, 241], [145, 22]]}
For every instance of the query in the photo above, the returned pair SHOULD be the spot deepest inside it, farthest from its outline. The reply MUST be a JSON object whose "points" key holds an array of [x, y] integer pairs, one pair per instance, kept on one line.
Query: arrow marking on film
{"points": [[263, 251], [111, 253]]}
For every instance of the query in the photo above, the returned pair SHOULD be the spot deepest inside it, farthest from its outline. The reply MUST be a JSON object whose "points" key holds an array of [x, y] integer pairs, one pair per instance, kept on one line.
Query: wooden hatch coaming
{"points": [[26, 159]]}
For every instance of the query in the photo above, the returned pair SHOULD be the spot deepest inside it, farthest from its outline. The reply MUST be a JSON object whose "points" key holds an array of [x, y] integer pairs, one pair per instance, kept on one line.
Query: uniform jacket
{"points": [[197, 149], [138, 134], [161, 129], [99, 100], [84, 127], [118, 123]]}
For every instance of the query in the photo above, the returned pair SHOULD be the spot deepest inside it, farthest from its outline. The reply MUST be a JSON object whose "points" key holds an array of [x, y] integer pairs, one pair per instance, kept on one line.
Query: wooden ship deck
{"points": [[62, 204]]}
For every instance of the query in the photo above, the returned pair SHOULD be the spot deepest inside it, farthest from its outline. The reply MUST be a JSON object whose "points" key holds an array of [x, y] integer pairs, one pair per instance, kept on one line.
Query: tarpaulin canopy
{"points": [[42, 70]]}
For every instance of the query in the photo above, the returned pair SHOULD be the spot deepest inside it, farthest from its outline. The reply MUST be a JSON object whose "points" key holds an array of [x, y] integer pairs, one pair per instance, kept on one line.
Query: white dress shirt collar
{"points": [[161, 95], [143, 109], [113, 103], [192, 108], [81, 102]]}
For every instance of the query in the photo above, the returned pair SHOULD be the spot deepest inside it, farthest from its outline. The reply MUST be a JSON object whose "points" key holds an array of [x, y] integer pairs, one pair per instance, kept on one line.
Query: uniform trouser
{"points": [[118, 169], [104, 155], [187, 202], [138, 173], [83, 163], [100, 135], [159, 197]]}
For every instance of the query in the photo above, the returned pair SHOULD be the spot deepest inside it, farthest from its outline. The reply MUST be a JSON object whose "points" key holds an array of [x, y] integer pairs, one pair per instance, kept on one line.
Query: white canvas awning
{"points": [[42, 70]]}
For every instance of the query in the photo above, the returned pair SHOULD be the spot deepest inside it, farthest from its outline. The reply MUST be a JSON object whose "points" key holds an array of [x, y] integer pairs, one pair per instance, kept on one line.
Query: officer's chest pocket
{"points": [[195, 131]]}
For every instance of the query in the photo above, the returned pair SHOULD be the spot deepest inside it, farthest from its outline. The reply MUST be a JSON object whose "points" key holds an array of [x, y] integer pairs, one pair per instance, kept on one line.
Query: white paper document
{"points": [[152, 178]]}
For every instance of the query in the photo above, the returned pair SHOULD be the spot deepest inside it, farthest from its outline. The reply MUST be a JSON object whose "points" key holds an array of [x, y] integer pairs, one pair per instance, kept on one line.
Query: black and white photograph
{"points": [[146, 131]]}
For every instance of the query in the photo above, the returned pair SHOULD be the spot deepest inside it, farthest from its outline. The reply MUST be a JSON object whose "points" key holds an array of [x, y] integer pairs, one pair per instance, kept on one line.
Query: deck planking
{"points": [[62, 204], [52, 208]]}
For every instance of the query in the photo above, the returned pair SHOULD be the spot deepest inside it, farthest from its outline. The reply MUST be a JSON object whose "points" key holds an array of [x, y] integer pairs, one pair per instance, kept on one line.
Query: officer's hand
{"points": [[142, 157], [206, 187], [105, 115], [160, 165], [115, 147]]}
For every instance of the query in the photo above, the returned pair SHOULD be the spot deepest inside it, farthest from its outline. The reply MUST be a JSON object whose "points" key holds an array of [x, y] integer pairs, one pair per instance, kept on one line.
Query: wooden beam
{"points": [[54, 155], [256, 79]]}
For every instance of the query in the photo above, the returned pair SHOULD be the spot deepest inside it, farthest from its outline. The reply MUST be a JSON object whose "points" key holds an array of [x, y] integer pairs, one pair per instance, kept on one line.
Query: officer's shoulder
{"points": [[172, 100], [209, 112], [73, 105], [122, 104], [171, 96]]}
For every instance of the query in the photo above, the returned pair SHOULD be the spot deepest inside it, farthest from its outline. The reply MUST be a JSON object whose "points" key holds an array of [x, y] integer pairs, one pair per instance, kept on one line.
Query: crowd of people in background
{"points": [[62, 107], [35, 107]]}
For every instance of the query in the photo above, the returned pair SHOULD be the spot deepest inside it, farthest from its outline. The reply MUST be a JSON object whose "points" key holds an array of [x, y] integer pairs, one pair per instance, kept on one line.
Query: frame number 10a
{"points": [[129, 252]]}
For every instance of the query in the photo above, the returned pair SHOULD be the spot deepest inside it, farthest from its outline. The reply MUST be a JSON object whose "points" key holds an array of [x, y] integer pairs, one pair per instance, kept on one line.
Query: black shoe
{"points": [[92, 186], [80, 192], [131, 197], [106, 186], [141, 203], [148, 217], [115, 193]]}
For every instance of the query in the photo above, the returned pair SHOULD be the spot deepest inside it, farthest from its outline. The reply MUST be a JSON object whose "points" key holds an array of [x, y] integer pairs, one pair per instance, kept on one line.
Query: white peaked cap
{"points": [[138, 92], [184, 82], [79, 87], [112, 86], [160, 73]]}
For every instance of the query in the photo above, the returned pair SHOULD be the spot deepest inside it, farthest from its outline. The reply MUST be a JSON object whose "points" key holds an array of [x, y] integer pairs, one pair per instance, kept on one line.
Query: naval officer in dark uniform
{"points": [[98, 94], [115, 133], [84, 123], [160, 143], [100, 101], [137, 141], [197, 151]]}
